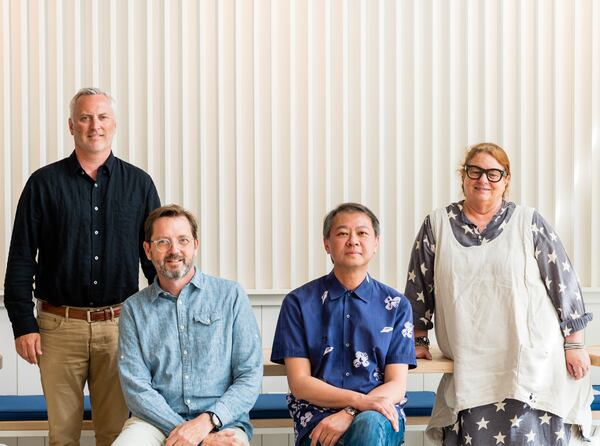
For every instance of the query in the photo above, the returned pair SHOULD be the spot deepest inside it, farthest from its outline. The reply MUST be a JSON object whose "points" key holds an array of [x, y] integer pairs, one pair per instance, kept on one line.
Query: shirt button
{"points": [[188, 401], [347, 344], [347, 316], [347, 373], [182, 327], [185, 352], [95, 184], [95, 282], [91, 304], [96, 232], [186, 377], [95, 208], [95, 257]]}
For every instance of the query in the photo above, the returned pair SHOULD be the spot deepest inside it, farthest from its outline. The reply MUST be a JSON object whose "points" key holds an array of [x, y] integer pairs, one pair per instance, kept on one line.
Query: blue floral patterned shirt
{"points": [[348, 336]]}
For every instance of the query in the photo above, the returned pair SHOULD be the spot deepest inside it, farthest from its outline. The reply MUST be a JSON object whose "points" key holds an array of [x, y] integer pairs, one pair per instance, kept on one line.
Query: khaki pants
{"points": [[73, 352], [139, 432]]}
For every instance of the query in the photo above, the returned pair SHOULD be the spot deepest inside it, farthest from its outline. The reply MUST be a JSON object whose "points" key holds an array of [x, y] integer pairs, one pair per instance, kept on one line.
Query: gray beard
{"points": [[175, 275]]}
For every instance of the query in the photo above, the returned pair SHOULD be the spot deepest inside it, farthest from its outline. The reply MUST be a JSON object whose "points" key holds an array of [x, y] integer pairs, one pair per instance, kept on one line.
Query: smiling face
{"points": [[483, 191], [92, 124], [177, 261], [351, 242]]}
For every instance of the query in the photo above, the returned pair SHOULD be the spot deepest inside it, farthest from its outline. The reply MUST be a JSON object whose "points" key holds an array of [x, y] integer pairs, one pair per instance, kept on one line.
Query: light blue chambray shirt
{"points": [[179, 357]]}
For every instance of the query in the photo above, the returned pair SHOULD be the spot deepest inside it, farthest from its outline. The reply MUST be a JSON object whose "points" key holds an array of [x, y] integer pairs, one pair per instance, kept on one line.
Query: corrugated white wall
{"points": [[261, 115]]}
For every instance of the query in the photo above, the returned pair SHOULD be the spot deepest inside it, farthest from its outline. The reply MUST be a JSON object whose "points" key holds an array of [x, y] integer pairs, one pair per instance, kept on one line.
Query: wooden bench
{"points": [[270, 414]]}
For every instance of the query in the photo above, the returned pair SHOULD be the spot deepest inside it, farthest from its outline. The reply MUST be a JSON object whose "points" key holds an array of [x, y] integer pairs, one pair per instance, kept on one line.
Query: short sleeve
{"points": [[290, 336]]}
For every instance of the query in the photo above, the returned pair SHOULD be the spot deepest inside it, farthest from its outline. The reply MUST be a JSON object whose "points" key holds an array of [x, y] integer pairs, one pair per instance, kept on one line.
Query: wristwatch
{"points": [[215, 420], [351, 411], [422, 341]]}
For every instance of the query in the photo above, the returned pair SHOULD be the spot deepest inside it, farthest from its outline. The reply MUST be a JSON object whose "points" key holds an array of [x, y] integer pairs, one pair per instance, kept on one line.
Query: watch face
{"points": [[215, 420]]}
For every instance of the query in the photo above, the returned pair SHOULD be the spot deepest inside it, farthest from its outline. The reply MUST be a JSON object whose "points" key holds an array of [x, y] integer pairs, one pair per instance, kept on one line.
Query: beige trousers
{"points": [[73, 352], [139, 432]]}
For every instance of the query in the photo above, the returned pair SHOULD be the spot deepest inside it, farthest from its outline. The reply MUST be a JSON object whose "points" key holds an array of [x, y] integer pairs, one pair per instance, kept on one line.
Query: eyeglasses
{"points": [[165, 244], [493, 175]]}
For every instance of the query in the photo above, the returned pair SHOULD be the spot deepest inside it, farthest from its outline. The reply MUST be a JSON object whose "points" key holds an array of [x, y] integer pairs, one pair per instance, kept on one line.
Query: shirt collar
{"points": [[336, 290], [75, 167], [156, 291]]}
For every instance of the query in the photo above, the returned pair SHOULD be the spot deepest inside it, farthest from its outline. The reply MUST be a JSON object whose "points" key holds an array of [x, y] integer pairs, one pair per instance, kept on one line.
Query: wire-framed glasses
{"points": [[164, 244]]}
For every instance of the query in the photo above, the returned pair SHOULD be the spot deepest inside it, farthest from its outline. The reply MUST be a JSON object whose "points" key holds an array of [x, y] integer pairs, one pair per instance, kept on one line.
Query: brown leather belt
{"points": [[101, 314]]}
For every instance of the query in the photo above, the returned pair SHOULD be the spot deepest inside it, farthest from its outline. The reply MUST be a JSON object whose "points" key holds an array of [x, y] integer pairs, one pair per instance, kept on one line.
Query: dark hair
{"points": [[495, 151], [349, 208], [169, 210]]}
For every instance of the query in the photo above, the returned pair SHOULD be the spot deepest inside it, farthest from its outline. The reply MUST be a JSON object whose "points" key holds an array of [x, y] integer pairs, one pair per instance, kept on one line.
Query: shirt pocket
{"points": [[209, 347], [208, 333], [535, 368]]}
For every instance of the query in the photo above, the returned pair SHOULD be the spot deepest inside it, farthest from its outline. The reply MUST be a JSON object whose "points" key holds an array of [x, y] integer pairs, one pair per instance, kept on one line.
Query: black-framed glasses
{"points": [[164, 244], [493, 175]]}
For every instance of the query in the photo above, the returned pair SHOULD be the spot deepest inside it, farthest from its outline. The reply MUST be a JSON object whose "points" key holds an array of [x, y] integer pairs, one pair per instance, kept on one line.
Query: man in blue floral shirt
{"points": [[347, 343]]}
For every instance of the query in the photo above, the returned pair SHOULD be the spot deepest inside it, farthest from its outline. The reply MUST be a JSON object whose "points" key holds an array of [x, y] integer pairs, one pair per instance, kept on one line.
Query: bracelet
{"points": [[422, 341], [574, 345]]}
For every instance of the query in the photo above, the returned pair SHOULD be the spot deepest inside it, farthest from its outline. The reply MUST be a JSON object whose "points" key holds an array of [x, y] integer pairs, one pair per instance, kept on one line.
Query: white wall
{"points": [[261, 115]]}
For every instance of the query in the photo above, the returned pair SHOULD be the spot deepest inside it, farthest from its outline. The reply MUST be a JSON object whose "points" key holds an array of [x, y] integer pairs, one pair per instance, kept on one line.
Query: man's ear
{"points": [[71, 126], [147, 250], [326, 245]]}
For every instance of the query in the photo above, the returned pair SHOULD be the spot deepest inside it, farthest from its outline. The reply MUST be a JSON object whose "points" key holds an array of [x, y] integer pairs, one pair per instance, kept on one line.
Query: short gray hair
{"points": [[90, 91], [349, 208]]}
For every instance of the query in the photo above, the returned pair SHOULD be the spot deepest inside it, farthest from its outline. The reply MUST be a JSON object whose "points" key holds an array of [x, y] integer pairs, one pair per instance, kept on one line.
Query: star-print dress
{"points": [[509, 421]]}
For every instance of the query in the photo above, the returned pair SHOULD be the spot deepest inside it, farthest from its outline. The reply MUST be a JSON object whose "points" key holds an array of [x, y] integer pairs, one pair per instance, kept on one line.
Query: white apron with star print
{"points": [[494, 318]]}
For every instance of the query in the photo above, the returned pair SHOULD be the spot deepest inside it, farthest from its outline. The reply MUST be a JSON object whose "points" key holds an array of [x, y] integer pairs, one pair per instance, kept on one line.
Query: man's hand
{"points": [[331, 428], [578, 362], [190, 433], [29, 346], [382, 404], [422, 352], [223, 438]]}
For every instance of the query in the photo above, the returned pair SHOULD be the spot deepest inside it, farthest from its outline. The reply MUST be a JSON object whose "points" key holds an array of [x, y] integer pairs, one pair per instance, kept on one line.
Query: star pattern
{"points": [[552, 257], [530, 436], [412, 276], [545, 419], [482, 424], [516, 423], [499, 438]]}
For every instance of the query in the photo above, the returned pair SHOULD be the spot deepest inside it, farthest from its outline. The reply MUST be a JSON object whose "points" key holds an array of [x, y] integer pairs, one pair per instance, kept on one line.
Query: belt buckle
{"points": [[88, 316]]}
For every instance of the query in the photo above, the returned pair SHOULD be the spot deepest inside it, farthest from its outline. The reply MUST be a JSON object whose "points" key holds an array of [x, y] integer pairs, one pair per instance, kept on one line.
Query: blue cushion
{"points": [[31, 408], [596, 402], [270, 405], [274, 405], [419, 404]]}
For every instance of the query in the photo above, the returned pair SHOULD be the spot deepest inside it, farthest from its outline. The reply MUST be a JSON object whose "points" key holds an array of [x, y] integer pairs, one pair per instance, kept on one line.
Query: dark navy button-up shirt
{"points": [[79, 239], [348, 336]]}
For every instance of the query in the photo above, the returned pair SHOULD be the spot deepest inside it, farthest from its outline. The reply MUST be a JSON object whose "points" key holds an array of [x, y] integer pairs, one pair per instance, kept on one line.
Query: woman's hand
{"points": [[422, 352], [578, 362]]}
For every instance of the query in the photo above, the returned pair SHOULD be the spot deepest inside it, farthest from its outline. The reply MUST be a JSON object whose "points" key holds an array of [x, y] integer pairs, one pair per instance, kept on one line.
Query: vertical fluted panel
{"points": [[261, 115]]}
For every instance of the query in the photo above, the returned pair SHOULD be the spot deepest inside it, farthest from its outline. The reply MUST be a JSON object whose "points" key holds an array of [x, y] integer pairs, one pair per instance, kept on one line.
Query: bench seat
{"points": [[20, 413]]}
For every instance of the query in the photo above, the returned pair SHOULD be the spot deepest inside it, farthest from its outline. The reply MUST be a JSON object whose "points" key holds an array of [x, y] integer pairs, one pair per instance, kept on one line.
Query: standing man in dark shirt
{"points": [[78, 235]]}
